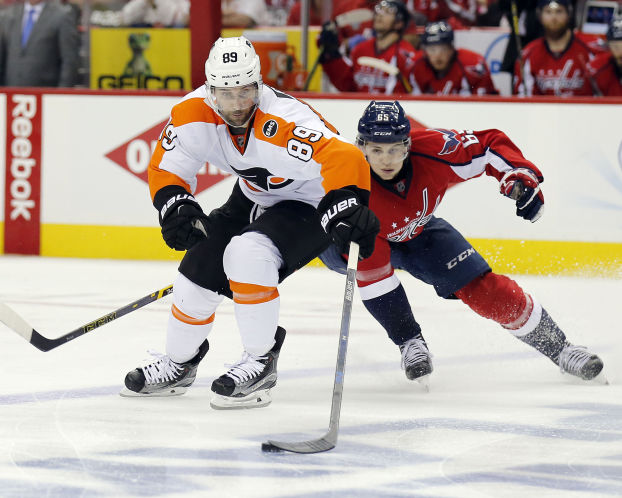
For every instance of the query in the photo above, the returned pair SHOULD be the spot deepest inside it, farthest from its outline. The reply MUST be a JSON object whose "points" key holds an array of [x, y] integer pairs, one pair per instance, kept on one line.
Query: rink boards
{"points": [[73, 168]]}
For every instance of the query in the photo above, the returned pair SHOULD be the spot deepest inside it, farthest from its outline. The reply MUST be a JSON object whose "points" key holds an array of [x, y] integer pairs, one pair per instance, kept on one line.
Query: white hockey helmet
{"points": [[232, 62]]}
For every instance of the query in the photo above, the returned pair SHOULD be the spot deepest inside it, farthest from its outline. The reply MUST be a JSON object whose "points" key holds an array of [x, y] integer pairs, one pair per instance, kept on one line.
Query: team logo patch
{"points": [[451, 142], [270, 128]]}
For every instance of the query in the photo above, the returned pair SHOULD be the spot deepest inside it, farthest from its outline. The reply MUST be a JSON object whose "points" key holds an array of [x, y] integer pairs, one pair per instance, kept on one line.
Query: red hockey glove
{"points": [[523, 186], [347, 220]]}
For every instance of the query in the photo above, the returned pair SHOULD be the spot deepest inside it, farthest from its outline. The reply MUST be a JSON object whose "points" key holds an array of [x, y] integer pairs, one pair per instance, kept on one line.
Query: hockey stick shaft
{"points": [[344, 333], [329, 440], [517, 41], [16, 323]]}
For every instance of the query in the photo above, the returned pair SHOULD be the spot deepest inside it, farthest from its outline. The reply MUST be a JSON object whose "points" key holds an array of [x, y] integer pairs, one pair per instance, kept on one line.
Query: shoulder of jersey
{"points": [[193, 109], [533, 45], [468, 56], [592, 42], [364, 45], [281, 105]]}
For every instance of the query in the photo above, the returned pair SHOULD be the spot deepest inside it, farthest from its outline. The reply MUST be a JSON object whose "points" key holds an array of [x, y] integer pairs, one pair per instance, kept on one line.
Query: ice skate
{"points": [[161, 376], [247, 383], [417, 361], [578, 361]]}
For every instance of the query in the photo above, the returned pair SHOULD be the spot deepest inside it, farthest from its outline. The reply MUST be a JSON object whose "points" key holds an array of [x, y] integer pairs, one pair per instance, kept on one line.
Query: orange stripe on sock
{"points": [[182, 317], [252, 293]]}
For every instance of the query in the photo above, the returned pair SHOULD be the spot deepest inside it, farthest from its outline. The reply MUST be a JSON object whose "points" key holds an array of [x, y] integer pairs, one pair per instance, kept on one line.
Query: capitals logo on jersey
{"points": [[451, 142]]}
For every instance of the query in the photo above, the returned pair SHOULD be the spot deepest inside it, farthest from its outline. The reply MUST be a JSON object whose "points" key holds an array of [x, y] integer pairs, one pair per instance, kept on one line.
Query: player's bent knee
{"points": [[193, 300], [252, 258]]}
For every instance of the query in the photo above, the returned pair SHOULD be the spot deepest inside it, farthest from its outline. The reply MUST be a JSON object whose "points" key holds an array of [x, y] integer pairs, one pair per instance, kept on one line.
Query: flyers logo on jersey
{"points": [[134, 155], [261, 178]]}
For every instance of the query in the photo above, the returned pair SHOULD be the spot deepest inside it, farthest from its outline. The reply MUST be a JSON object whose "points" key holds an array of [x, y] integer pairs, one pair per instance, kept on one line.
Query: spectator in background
{"points": [[39, 45], [278, 11], [529, 28], [315, 13], [243, 13], [606, 68], [457, 13], [387, 48], [555, 64], [156, 13], [446, 70]]}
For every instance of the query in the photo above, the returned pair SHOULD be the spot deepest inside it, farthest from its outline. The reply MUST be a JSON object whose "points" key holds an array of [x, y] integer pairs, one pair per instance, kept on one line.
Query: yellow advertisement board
{"points": [[140, 58]]}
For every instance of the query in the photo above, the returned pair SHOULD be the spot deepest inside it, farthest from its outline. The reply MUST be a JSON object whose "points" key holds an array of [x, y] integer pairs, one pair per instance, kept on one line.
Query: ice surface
{"points": [[499, 421]]}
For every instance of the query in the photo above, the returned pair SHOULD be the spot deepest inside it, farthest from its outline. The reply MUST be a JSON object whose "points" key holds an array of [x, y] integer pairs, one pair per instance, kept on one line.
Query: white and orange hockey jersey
{"points": [[291, 153]]}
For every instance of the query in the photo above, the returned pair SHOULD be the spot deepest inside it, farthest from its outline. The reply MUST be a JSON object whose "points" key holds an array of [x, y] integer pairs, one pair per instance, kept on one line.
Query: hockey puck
{"points": [[270, 448]]}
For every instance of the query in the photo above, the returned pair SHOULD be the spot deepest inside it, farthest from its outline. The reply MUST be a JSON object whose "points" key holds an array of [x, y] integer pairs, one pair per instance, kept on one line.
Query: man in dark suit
{"points": [[39, 45]]}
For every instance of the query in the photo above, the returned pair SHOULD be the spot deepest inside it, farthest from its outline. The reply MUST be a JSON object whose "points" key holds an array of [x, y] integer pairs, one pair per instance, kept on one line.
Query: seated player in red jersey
{"points": [[556, 63], [443, 69], [411, 170], [606, 69], [350, 75]]}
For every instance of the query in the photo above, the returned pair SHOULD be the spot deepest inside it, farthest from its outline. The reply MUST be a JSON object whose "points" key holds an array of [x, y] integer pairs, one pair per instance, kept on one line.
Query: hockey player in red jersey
{"points": [[556, 64], [411, 170], [446, 70], [292, 167], [350, 75], [606, 69]]}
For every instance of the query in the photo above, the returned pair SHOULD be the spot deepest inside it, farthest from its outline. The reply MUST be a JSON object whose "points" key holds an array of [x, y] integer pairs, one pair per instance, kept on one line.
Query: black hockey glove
{"points": [[182, 220], [347, 220], [328, 42], [523, 186]]}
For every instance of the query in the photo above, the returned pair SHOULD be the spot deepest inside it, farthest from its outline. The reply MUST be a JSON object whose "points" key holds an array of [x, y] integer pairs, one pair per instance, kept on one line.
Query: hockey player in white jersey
{"points": [[299, 186]]}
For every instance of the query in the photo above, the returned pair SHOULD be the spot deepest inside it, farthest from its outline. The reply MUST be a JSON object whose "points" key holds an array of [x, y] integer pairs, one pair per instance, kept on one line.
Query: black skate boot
{"points": [[416, 360], [162, 376], [551, 341], [247, 384]]}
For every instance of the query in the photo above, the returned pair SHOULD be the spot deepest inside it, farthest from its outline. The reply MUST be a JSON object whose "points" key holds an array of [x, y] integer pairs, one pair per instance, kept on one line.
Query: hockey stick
{"points": [[329, 440], [18, 325], [517, 41], [386, 67], [354, 16]]}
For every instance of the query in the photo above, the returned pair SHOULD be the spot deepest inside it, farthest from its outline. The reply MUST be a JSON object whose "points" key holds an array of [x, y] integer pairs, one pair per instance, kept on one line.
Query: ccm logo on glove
{"points": [[336, 209]]}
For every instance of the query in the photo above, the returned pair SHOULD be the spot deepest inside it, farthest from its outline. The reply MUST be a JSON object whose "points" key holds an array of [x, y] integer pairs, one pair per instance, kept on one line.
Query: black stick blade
{"points": [[315, 446]]}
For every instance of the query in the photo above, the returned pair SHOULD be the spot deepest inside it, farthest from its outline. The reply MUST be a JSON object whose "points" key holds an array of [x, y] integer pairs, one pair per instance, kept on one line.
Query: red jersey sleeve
{"points": [[471, 153]]}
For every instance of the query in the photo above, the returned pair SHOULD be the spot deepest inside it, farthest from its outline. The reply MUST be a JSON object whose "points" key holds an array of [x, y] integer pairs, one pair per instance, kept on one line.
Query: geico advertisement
{"points": [[132, 58], [94, 170]]}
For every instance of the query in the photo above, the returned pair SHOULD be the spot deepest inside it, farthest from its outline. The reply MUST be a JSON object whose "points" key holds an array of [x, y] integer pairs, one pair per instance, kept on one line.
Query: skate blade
{"points": [[257, 399], [175, 391], [599, 380], [424, 382]]}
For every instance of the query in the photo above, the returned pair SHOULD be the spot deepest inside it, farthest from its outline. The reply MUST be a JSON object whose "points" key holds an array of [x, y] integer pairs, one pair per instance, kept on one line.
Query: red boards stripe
{"points": [[22, 213]]}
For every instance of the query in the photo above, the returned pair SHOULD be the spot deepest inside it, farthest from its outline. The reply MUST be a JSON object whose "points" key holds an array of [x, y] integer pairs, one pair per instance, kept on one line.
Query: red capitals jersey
{"points": [[606, 75], [468, 74], [561, 74], [458, 13], [438, 159], [349, 76]]}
